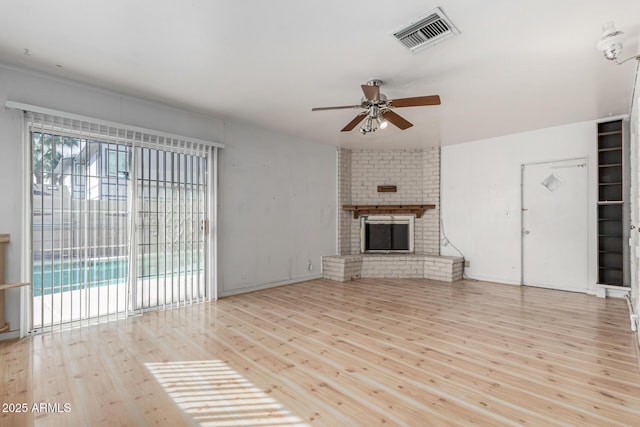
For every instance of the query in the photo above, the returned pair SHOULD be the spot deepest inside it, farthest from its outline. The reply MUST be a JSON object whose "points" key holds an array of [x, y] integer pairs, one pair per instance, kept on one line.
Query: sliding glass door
{"points": [[118, 224], [171, 201]]}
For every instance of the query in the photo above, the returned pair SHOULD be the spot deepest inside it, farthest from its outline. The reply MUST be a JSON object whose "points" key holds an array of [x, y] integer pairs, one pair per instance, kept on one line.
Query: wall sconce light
{"points": [[611, 43]]}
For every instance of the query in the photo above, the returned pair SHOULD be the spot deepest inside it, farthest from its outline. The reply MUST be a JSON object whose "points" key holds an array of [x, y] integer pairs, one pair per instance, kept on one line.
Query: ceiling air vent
{"points": [[433, 28]]}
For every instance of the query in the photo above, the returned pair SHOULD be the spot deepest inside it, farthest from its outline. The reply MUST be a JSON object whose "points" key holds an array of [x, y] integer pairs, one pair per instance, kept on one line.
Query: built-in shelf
{"points": [[4, 325], [387, 209], [614, 132], [603, 150], [610, 202], [5, 286], [611, 253], [611, 165]]}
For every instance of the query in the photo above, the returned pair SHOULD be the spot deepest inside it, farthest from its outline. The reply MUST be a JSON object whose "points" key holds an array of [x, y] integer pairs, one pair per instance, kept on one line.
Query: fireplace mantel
{"points": [[387, 209]]}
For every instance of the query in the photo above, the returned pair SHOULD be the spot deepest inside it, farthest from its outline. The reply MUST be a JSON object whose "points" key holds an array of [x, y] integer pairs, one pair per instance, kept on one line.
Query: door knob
{"points": [[525, 231]]}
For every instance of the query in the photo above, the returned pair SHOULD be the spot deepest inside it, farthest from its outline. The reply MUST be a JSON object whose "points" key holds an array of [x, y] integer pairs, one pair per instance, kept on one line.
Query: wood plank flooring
{"points": [[322, 353]]}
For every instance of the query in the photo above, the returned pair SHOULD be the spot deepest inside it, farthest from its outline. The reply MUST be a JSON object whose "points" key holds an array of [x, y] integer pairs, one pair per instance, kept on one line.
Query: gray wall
{"points": [[277, 193], [277, 209]]}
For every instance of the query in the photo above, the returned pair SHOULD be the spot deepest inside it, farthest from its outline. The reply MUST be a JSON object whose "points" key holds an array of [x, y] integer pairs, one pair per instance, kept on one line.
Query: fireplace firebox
{"points": [[386, 234]]}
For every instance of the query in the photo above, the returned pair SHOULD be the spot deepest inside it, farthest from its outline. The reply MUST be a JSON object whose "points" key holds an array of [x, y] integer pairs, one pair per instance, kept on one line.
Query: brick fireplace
{"points": [[416, 175]]}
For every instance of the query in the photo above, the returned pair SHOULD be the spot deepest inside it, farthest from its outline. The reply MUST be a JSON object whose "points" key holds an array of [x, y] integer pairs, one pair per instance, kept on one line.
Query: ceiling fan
{"points": [[377, 109]]}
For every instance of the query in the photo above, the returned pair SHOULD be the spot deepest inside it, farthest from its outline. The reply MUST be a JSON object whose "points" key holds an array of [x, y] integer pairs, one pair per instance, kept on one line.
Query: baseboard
{"points": [[500, 281], [609, 291], [10, 335], [258, 287]]}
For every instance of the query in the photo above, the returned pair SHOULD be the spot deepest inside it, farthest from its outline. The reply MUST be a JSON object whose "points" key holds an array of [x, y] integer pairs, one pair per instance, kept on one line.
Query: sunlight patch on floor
{"points": [[217, 396]]}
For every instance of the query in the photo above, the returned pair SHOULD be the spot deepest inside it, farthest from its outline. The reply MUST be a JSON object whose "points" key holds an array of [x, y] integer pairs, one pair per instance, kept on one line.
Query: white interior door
{"points": [[554, 225]]}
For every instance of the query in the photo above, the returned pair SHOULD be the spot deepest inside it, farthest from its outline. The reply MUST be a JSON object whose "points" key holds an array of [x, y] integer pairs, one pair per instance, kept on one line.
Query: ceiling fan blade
{"points": [[372, 93], [397, 120], [417, 101], [353, 123], [335, 108]]}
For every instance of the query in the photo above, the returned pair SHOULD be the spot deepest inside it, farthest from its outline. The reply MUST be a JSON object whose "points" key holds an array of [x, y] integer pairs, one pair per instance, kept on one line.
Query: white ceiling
{"points": [[516, 66]]}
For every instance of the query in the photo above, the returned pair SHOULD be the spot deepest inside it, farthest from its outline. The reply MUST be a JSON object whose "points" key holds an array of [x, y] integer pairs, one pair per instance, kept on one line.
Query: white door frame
{"points": [[634, 219], [585, 159]]}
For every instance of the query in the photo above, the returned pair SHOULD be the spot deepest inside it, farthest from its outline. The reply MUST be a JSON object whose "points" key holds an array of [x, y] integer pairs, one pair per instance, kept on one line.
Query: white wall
{"points": [[481, 183], [272, 182]]}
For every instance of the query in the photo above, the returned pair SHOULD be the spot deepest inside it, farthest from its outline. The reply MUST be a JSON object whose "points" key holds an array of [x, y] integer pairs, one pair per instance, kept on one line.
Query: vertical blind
{"points": [[170, 238], [119, 219]]}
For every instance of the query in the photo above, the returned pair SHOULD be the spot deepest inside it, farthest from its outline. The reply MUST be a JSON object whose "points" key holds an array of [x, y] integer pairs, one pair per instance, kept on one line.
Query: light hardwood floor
{"points": [[363, 353]]}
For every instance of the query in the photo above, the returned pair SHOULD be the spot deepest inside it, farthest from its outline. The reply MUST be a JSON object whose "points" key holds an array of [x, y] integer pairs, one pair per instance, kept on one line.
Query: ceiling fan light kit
{"points": [[382, 123], [378, 109]]}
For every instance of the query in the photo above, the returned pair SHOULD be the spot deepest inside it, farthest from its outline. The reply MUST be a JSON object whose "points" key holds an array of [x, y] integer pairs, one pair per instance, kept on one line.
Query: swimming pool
{"points": [[68, 275]]}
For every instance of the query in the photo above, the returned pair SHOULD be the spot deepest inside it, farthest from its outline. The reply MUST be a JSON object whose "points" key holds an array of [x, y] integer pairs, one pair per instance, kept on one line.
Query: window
{"points": [[117, 163]]}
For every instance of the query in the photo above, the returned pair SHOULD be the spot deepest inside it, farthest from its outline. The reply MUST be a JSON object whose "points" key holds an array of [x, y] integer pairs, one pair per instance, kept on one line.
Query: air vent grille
{"points": [[433, 28]]}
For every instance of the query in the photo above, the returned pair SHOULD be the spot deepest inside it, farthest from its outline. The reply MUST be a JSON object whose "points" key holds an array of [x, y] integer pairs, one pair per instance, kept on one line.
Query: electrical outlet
{"points": [[467, 263]]}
